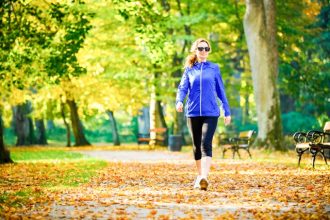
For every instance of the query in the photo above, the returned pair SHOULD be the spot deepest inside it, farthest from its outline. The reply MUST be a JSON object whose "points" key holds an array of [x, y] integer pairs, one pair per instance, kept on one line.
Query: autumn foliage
{"points": [[239, 189]]}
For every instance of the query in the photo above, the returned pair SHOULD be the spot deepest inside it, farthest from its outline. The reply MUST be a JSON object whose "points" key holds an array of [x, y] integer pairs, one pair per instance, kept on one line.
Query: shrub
{"points": [[296, 121]]}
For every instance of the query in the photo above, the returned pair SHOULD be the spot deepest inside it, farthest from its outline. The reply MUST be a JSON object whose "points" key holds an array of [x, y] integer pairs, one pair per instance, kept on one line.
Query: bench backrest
{"points": [[158, 130], [246, 134]]}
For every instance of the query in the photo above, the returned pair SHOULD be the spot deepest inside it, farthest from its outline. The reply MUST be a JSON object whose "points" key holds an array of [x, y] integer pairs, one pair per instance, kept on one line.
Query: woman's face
{"points": [[202, 51]]}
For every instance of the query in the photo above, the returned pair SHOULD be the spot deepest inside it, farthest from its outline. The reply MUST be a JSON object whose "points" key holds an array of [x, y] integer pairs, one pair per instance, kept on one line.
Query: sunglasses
{"points": [[207, 49]]}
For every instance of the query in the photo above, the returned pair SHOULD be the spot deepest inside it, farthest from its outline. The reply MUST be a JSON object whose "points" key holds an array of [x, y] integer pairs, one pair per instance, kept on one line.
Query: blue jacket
{"points": [[203, 84]]}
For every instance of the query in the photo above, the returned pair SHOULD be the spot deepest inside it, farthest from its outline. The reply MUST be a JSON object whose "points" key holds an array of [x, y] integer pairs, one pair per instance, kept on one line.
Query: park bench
{"points": [[243, 141], [314, 142], [159, 139], [143, 138]]}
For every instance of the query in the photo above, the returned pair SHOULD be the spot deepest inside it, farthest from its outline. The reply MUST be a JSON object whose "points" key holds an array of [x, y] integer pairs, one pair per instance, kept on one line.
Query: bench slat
{"points": [[302, 145]]}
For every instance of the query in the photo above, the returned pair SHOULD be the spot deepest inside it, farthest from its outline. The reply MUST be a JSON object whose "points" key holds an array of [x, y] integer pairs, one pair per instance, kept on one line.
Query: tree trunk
{"points": [[157, 119], [178, 125], [246, 115], [260, 32], [67, 126], [4, 153], [80, 139], [160, 113], [23, 125], [113, 123], [41, 137]]}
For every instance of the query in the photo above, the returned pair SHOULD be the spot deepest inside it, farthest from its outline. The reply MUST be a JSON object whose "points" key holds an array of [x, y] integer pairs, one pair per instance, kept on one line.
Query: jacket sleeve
{"points": [[182, 88], [220, 89]]}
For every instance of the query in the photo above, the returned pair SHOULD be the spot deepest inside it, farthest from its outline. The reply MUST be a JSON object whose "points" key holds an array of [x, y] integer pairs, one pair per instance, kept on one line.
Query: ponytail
{"points": [[190, 60]]}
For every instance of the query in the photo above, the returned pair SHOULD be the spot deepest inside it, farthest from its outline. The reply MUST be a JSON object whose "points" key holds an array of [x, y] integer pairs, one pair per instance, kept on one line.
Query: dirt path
{"points": [[159, 185]]}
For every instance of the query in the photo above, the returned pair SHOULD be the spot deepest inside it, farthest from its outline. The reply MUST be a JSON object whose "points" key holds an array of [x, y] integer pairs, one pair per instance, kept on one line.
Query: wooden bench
{"points": [[243, 141], [157, 138], [143, 138], [314, 142]]}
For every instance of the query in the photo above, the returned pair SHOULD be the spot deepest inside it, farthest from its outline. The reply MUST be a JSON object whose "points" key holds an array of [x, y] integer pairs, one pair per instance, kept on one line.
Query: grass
{"points": [[27, 155], [46, 177], [76, 174], [40, 170]]}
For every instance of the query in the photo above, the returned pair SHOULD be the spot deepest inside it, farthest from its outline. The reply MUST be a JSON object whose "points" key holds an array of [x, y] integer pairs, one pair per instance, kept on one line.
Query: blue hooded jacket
{"points": [[203, 84]]}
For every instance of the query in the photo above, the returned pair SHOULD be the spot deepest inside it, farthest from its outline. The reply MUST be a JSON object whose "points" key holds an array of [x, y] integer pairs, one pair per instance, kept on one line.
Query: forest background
{"points": [[84, 71]]}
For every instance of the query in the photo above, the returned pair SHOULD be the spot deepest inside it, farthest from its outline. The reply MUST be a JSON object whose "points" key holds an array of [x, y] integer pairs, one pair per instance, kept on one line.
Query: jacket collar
{"points": [[198, 65]]}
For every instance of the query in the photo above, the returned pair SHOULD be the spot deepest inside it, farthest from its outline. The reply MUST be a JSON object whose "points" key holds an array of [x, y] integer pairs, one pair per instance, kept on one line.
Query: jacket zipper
{"points": [[201, 88]]}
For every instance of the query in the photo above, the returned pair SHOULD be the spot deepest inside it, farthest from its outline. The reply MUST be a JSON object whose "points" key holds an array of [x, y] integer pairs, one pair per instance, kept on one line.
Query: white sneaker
{"points": [[197, 180], [203, 183]]}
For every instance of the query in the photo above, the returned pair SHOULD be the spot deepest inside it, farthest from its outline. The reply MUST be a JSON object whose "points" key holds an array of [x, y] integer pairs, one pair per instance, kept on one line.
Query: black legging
{"points": [[202, 130]]}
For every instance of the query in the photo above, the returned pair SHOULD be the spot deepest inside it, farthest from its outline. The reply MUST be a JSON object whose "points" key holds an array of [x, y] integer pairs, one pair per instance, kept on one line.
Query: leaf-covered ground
{"points": [[270, 186]]}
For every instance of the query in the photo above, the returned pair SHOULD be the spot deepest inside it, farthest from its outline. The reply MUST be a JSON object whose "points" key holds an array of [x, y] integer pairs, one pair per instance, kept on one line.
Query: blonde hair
{"points": [[192, 58]]}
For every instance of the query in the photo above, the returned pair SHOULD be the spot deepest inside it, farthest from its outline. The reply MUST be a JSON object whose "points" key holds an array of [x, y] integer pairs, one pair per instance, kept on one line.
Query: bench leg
{"points": [[223, 153], [247, 149], [300, 152], [314, 153], [299, 159], [324, 157], [313, 161], [239, 156], [234, 151]]}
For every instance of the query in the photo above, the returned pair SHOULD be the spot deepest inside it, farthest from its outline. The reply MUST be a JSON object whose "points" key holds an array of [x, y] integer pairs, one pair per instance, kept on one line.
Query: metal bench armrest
{"points": [[316, 137], [300, 137]]}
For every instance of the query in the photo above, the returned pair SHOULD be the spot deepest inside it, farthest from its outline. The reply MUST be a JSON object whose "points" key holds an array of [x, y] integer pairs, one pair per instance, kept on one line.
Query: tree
{"points": [[260, 32], [72, 27], [151, 24], [4, 153], [23, 124], [117, 79], [22, 36]]}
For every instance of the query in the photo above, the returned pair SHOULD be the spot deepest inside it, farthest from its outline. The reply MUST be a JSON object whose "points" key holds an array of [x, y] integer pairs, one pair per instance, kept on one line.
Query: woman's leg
{"points": [[195, 129], [205, 166], [208, 130], [199, 167]]}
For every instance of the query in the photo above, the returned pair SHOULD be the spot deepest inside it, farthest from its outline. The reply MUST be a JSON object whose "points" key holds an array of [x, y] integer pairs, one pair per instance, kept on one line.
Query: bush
{"points": [[296, 121]]}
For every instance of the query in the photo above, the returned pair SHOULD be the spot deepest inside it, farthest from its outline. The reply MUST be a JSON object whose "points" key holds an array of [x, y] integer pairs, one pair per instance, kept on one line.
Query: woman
{"points": [[203, 83]]}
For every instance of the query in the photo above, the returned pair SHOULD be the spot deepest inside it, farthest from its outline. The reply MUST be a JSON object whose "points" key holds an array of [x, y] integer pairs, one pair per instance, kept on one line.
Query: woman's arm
{"points": [[182, 91], [220, 89]]}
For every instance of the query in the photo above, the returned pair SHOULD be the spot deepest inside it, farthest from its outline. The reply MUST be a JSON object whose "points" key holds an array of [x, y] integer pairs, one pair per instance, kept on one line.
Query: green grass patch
{"points": [[76, 174], [39, 170], [3, 197], [27, 155], [18, 198], [52, 176]]}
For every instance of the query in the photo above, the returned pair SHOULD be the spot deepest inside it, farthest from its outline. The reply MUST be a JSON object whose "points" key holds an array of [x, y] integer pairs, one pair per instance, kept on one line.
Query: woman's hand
{"points": [[227, 120], [179, 107]]}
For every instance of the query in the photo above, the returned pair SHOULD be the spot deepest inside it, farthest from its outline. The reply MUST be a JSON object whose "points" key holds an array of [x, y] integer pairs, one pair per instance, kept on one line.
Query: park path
{"points": [[158, 185], [115, 205]]}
